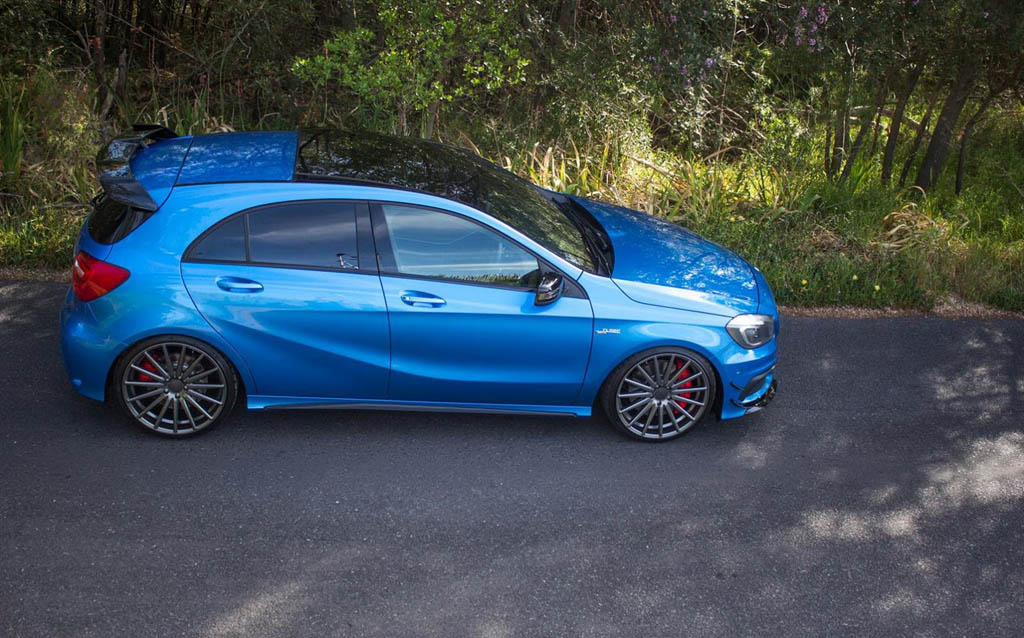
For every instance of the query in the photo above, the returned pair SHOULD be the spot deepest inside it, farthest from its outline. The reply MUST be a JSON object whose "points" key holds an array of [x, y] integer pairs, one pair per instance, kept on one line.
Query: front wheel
{"points": [[659, 394], [175, 386]]}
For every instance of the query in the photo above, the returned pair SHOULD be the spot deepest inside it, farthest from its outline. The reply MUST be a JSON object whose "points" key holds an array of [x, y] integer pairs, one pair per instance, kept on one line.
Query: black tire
{"points": [[691, 379], [174, 386]]}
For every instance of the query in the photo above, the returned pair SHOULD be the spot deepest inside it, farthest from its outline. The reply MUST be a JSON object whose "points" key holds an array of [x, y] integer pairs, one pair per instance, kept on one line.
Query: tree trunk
{"points": [[968, 129], [828, 148], [567, 16], [921, 128], [879, 107], [897, 120], [839, 140], [865, 126], [348, 15], [433, 119], [942, 135], [99, 60], [401, 124]]}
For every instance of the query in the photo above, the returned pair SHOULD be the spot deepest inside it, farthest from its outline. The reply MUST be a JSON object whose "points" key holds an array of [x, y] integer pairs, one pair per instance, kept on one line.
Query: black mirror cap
{"points": [[550, 288]]}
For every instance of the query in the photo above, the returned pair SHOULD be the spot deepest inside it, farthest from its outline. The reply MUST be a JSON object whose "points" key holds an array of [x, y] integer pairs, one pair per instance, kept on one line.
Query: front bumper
{"points": [[760, 397], [748, 386]]}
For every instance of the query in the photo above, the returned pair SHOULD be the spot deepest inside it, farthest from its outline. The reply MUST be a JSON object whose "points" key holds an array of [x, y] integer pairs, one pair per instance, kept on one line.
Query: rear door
{"points": [[292, 289], [464, 327]]}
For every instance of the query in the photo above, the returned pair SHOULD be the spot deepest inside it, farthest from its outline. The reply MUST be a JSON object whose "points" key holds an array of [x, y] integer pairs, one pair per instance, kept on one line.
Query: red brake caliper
{"points": [[675, 409], [149, 366]]}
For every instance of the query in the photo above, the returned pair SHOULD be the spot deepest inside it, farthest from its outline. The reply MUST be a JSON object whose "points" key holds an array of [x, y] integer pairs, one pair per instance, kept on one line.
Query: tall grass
{"points": [[12, 131]]}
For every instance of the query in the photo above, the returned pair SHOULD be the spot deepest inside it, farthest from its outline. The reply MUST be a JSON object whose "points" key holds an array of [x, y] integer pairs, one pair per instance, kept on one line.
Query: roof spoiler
{"points": [[113, 164]]}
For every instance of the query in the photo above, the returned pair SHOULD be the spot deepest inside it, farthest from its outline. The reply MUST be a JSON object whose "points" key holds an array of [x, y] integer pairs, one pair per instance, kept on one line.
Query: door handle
{"points": [[237, 284], [422, 299]]}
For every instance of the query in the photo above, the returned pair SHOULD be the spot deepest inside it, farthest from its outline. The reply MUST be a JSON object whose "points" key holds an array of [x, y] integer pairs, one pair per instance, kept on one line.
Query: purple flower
{"points": [[814, 27], [803, 12], [799, 40], [812, 41], [657, 67], [672, 19], [708, 62]]}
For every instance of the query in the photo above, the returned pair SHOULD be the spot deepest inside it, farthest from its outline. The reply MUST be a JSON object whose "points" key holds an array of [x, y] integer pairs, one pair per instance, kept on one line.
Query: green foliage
{"points": [[421, 54]]}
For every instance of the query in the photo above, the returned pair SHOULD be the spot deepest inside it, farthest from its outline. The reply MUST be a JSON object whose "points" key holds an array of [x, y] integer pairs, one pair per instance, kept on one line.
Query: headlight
{"points": [[751, 331]]}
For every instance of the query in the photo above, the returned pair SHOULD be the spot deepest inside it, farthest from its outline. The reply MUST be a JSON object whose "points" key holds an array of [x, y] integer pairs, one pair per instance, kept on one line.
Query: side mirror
{"points": [[550, 288]]}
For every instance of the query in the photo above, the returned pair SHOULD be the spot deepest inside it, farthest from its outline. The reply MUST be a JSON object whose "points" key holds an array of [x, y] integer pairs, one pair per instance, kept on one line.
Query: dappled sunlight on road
{"points": [[265, 613], [990, 472]]}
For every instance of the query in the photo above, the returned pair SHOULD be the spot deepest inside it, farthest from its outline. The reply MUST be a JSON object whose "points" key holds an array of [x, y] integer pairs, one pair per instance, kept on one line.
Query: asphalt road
{"points": [[881, 494]]}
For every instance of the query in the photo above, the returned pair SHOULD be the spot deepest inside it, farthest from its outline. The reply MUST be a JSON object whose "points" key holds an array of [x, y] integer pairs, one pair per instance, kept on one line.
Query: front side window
{"points": [[429, 243]]}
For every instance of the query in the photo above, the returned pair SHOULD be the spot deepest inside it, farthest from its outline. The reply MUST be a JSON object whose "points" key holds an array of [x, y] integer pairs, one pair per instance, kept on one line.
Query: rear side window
{"points": [[224, 243], [299, 234], [112, 221], [318, 234]]}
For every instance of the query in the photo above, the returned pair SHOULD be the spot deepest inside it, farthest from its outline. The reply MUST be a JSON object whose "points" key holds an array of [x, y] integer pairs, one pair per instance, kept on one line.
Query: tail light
{"points": [[93, 278]]}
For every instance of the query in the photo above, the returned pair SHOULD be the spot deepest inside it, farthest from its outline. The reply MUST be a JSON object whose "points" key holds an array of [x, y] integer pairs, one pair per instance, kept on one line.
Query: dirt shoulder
{"points": [[950, 308]]}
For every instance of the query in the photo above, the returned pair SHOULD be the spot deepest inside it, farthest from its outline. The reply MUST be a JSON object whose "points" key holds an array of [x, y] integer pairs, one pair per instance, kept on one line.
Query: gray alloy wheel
{"points": [[175, 386], [658, 395]]}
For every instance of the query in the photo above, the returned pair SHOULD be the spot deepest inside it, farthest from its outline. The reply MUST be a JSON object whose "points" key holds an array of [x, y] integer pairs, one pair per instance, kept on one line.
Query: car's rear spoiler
{"points": [[114, 165]]}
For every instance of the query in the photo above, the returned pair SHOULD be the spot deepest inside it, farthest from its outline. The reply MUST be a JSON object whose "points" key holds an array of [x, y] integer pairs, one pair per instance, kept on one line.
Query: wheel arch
{"points": [[658, 346], [222, 347], [593, 390]]}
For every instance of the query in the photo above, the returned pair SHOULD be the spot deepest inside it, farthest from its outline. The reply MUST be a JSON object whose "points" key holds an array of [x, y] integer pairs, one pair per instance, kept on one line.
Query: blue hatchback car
{"points": [[327, 269]]}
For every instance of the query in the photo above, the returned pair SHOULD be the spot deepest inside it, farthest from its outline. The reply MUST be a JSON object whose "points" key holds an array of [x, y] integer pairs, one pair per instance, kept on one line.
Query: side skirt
{"points": [[264, 402]]}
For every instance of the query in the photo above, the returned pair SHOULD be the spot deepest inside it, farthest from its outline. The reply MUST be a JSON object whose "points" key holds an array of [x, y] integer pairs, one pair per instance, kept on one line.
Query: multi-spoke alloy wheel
{"points": [[659, 395], [176, 386]]}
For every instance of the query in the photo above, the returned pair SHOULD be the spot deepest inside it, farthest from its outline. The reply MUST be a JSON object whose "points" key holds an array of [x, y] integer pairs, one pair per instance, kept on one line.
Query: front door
{"points": [[464, 327]]}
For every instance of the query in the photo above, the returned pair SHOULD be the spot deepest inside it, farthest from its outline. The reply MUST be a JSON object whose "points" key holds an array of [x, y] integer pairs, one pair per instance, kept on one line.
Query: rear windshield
{"points": [[111, 221]]}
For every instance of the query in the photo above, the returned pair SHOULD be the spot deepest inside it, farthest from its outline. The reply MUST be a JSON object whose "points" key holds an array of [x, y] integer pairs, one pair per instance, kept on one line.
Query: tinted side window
{"points": [[320, 234], [224, 243], [429, 243]]}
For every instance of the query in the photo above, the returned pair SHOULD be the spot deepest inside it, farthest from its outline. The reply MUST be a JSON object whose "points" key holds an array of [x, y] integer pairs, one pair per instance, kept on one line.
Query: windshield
{"points": [[448, 172]]}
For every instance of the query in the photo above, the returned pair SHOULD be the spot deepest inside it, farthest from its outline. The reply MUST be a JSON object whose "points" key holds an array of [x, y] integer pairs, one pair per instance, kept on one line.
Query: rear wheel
{"points": [[175, 386], [659, 394]]}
